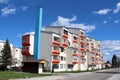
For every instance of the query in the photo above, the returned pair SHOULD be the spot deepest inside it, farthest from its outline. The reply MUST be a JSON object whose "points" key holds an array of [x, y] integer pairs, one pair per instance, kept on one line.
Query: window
{"points": [[56, 39], [16, 50], [55, 57], [55, 47], [65, 32], [56, 66], [75, 58], [70, 66], [61, 66], [81, 33], [75, 37], [24, 39], [82, 46], [74, 51], [62, 49], [61, 58]]}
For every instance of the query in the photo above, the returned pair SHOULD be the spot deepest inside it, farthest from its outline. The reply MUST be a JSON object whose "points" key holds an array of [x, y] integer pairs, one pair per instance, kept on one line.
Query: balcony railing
{"points": [[75, 62], [57, 61], [26, 51], [82, 49], [56, 43], [82, 36], [75, 54], [81, 42], [65, 44], [82, 62], [92, 46], [93, 57], [65, 36], [87, 43], [56, 52], [75, 41], [87, 50], [82, 55], [93, 63]]}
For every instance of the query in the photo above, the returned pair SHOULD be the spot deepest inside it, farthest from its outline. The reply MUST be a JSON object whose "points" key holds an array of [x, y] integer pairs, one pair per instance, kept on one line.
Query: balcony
{"points": [[87, 50], [75, 62], [25, 44], [75, 41], [65, 36], [87, 43], [82, 49], [75, 54], [26, 40], [92, 46], [56, 43], [81, 42], [65, 44], [93, 57], [97, 58], [56, 52], [82, 55], [97, 63], [97, 53], [76, 47], [93, 63], [25, 51], [82, 36], [99, 45], [83, 62], [57, 61]]}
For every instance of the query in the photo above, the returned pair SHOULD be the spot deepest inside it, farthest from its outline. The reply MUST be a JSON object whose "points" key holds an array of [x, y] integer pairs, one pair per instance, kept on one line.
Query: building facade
{"points": [[65, 49], [16, 54]]}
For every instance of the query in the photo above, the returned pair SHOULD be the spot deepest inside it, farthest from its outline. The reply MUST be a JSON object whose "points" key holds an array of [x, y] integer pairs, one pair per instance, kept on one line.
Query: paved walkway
{"points": [[107, 75]]}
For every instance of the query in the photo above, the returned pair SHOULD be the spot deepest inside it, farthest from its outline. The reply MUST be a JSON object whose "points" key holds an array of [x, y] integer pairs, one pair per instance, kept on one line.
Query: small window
{"points": [[65, 32], [61, 66], [82, 46], [16, 50], [82, 33], [56, 66], [24, 39], [62, 49], [61, 58]]}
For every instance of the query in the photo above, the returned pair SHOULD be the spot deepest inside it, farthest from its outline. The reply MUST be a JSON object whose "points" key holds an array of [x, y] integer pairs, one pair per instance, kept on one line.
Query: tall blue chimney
{"points": [[37, 39]]}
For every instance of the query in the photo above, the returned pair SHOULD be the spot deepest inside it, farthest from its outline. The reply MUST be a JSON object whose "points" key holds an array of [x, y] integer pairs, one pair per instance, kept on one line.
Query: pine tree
{"points": [[6, 56], [114, 61]]}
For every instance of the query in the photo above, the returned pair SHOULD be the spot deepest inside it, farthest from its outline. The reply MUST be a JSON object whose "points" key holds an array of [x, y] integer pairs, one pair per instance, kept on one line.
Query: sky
{"points": [[99, 18]]}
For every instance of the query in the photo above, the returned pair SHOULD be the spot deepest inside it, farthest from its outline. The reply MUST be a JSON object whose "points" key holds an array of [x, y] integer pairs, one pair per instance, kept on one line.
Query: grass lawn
{"points": [[6, 75]]}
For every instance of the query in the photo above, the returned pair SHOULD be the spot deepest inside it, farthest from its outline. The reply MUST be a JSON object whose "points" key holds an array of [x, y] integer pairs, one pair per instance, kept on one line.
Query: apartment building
{"points": [[64, 49], [16, 54]]}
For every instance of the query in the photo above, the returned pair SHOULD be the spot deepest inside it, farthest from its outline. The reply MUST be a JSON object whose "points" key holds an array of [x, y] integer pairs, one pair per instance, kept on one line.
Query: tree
{"points": [[6, 56], [114, 61]]}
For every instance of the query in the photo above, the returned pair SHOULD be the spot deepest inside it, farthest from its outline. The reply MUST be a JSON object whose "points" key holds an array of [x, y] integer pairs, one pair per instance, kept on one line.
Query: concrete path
{"points": [[98, 75]]}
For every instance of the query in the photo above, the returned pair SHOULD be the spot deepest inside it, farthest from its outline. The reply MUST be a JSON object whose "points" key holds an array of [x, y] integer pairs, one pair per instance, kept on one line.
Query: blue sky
{"points": [[99, 18]]}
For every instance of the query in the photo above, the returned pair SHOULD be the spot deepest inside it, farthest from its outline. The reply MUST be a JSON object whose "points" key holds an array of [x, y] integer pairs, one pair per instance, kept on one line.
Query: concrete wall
{"points": [[46, 47]]}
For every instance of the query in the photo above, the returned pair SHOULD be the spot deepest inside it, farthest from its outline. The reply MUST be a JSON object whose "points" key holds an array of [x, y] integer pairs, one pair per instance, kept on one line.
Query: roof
{"points": [[37, 61]]}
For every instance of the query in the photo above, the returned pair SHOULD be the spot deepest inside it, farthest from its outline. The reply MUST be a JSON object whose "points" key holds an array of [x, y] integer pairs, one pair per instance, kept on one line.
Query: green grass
{"points": [[6, 75]]}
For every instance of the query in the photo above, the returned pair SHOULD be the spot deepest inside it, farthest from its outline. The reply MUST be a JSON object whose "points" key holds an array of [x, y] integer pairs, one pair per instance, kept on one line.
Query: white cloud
{"points": [[102, 11], [105, 22], [24, 8], [4, 1], [117, 8], [107, 53], [68, 22], [110, 46], [8, 10], [116, 21]]}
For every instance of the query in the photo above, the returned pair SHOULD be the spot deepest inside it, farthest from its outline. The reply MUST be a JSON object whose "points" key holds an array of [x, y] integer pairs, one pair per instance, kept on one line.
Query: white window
{"points": [[61, 66]]}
